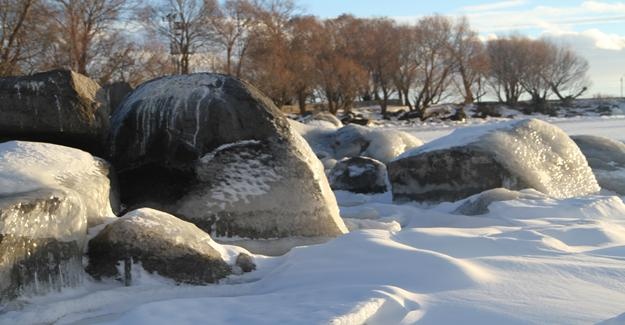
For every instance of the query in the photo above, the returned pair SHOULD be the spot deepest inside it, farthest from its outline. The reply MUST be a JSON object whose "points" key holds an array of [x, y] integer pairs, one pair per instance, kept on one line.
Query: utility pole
{"points": [[621, 86]]}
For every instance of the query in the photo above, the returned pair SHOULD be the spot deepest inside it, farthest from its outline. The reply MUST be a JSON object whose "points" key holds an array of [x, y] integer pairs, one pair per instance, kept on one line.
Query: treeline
{"points": [[294, 58]]}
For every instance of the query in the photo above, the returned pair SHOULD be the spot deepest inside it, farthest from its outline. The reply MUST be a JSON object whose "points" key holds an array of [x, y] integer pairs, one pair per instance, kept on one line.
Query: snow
{"points": [[28, 166], [530, 259]]}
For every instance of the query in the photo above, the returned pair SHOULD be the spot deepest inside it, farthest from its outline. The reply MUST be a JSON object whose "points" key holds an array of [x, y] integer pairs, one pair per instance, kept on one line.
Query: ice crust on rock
{"points": [[532, 153], [355, 140], [606, 157], [49, 195], [42, 234], [28, 166], [162, 243]]}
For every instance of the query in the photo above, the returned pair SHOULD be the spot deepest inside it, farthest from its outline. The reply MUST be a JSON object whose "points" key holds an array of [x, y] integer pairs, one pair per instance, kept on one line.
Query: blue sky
{"points": [[596, 29]]}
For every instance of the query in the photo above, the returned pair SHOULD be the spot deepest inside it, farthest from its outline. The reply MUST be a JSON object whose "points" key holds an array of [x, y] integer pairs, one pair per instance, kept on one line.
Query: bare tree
{"points": [[382, 59], [231, 28], [506, 68], [183, 23], [25, 35], [340, 77], [304, 43], [534, 58], [408, 63], [567, 77], [81, 25], [435, 62], [469, 59]]}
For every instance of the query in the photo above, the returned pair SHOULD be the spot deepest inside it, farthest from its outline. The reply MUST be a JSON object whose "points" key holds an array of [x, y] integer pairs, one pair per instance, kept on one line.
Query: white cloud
{"points": [[604, 7], [495, 5], [601, 40]]}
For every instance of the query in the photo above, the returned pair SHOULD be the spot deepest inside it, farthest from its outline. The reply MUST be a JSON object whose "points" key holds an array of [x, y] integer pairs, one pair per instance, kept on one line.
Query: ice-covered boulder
{"points": [[29, 166], [161, 243], [514, 155], [58, 106], [380, 144], [606, 157], [324, 117], [478, 204], [42, 233], [358, 175], [355, 141], [213, 150]]}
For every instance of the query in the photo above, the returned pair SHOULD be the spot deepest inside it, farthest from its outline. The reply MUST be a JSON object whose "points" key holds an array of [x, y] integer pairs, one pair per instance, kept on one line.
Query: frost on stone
{"points": [[255, 191], [29, 166], [42, 233], [520, 154], [606, 157]]}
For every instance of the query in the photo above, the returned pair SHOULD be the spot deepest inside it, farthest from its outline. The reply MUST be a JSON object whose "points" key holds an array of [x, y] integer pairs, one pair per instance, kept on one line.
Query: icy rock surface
{"points": [[318, 119], [515, 155], [249, 190], [58, 106], [606, 157], [28, 166], [162, 243], [213, 150], [42, 233], [355, 140], [358, 175], [478, 204]]}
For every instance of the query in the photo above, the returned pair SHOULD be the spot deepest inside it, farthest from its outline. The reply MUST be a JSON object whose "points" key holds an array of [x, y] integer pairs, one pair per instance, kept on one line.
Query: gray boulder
{"points": [[42, 233], [606, 157], [514, 155], [58, 106], [215, 151], [162, 243], [358, 175]]}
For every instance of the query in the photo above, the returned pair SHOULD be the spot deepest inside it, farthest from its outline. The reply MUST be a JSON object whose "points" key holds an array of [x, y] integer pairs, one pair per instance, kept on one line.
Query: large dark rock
{"points": [[162, 243], [115, 94], [513, 155], [606, 157], [58, 106], [215, 151], [358, 175], [42, 233]]}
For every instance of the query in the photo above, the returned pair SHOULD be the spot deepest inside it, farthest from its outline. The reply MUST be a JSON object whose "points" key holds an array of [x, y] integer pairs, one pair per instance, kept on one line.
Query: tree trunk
{"points": [[301, 101]]}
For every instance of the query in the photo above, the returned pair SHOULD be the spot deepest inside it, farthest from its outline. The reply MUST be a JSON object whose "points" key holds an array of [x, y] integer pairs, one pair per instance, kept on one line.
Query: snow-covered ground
{"points": [[535, 259]]}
